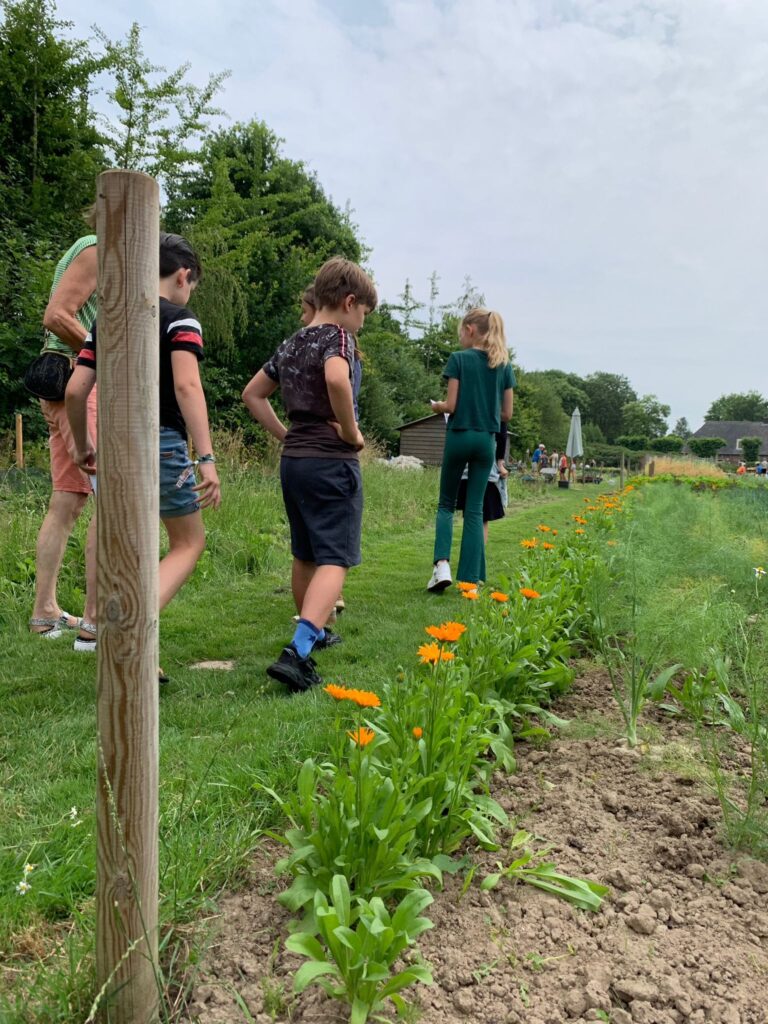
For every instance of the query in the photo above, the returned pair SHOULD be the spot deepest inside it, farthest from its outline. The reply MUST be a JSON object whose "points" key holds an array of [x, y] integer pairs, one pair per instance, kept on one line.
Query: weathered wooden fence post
{"points": [[19, 441], [127, 557]]}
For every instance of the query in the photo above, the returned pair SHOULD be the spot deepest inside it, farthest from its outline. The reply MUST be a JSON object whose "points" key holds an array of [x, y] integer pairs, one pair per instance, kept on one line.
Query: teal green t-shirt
{"points": [[481, 390]]}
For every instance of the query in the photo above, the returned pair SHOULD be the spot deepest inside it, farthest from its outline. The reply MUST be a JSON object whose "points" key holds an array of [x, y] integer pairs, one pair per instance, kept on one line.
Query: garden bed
{"points": [[683, 935]]}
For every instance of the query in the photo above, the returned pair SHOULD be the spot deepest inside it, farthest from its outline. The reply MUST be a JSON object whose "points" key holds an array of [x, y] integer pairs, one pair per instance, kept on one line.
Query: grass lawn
{"points": [[220, 731]]}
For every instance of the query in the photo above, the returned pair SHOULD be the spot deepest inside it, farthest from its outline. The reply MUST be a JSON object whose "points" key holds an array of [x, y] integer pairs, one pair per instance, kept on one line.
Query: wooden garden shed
{"points": [[424, 438]]}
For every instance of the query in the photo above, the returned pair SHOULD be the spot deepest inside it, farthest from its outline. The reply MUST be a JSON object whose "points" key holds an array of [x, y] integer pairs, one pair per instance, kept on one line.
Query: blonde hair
{"points": [[490, 328]]}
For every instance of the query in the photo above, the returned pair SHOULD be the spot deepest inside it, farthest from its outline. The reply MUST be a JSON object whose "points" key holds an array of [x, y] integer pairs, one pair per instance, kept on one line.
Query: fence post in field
{"points": [[19, 441], [621, 472], [652, 467], [127, 497]]}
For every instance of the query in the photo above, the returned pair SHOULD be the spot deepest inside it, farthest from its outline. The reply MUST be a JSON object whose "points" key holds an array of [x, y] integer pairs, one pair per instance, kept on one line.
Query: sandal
{"points": [[56, 627], [83, 643]]}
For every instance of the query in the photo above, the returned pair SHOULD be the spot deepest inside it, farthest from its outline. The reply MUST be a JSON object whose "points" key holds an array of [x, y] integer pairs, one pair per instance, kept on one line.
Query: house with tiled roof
{"points": [[732, 432]]}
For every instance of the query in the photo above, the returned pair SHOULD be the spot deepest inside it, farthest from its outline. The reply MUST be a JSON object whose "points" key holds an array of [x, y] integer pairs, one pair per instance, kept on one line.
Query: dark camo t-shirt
{"points": [[298, 366]]}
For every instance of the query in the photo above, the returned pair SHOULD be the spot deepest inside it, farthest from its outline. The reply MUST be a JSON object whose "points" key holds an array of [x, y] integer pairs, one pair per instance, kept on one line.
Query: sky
{"points": [[598, 167]]}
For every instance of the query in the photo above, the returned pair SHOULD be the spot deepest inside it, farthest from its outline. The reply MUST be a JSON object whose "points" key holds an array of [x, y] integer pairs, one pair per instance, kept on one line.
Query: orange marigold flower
{"points": [[579, 519], [471, 595], [579, 530], [529, 543], [498, 596], [467, 586], [337, 692], [543, 528], [447, 655], [429, 653], [362, 736], [548, 547], [595, 508], [554, 533], [364, 698], [418, 732], [447, 632], [529, 594]]}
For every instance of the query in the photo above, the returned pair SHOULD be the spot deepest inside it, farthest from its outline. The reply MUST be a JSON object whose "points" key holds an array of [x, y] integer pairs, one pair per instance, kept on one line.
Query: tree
{"points": [[646, 415], [681, 429], [608, 393], [592, 434], [748, 405], [750, 447], [671, 443], [568, 387], [49, 145], [158, 119], [706, 447]]}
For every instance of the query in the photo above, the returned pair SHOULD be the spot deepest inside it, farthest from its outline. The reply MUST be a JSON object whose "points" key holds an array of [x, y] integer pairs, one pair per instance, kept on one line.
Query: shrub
{"points": [[706, 447]]}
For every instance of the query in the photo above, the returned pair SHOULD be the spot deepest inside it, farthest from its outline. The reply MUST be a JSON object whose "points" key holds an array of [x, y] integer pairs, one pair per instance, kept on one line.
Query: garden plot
{"points": [[682, 937]]}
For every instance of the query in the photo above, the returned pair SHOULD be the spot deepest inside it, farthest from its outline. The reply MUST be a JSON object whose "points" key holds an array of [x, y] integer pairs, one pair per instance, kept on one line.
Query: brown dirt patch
{"points": [[683, 936]]}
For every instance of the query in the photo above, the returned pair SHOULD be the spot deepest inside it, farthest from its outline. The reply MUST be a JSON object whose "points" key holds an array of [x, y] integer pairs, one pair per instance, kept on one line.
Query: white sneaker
{"points": [[441, 578]]}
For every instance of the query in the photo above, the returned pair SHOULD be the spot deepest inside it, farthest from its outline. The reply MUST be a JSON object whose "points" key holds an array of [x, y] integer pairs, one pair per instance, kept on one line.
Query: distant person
{"points": [[563, 466], [537, 458], [480, 396], [554, 460], [67, 320], [742, 469], [320, 466], [182, 409]]}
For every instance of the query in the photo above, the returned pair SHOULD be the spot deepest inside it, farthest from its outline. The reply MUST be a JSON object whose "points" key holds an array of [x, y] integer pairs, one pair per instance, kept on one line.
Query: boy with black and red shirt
{"points": [[182, 409], [319, 469]]}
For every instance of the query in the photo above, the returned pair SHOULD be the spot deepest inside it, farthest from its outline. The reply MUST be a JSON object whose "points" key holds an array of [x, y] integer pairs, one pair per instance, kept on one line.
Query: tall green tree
{"points": [[646, 416], [157, 117], [681, 429], [608, 393], [747, 405]]}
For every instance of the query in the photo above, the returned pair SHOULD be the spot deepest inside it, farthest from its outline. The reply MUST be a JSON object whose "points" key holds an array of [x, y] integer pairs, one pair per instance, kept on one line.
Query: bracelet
{"points": [[203, 459]]}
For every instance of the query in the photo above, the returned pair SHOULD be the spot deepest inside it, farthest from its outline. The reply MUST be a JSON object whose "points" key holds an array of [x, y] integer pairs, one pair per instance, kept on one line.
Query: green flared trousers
{"points": [[475, 449]]}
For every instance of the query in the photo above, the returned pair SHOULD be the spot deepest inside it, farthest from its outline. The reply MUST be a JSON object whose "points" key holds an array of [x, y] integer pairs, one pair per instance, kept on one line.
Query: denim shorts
{"points": [[177, 476]]}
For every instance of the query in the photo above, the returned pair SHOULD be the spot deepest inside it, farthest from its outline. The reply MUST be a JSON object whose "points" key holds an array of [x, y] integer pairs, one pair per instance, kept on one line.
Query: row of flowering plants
{"points": [[376, 823]]}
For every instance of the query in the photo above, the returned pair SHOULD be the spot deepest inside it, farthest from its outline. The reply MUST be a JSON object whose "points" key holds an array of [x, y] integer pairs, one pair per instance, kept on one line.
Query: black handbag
{"points": [[47, 376]]}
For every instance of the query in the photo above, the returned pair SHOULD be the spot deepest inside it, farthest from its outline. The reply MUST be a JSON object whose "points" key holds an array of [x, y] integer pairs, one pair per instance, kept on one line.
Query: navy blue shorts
{"points": [[177, 476], [324, 502]]}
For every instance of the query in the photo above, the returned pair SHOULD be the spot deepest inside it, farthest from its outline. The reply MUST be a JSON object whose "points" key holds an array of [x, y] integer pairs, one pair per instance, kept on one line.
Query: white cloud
{"points": [[597, 166]]}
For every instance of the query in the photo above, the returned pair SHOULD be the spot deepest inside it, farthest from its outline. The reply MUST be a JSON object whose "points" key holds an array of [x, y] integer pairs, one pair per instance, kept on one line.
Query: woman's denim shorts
{"points": [[177, 476]]}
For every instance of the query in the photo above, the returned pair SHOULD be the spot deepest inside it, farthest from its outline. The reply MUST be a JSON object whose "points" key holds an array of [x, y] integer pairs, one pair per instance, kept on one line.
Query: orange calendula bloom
{"points": [[529, 594], [467, 586], [579, 530], [447, 632], [429, 654], [363, 698], [579, 519], [471, 595], [548, 547], [418, 732], [362, 736], [554, 533], [498, 596], [531, 543], [543, 528]]}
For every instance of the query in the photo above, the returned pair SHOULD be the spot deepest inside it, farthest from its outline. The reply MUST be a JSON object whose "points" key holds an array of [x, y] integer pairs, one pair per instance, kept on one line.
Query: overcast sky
{"points": [[599, 167]]}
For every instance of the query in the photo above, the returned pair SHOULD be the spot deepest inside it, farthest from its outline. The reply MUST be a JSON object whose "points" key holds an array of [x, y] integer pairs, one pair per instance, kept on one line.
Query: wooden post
{"points": [[127, 557], [652, 467], [621, 472], [19, 441]]}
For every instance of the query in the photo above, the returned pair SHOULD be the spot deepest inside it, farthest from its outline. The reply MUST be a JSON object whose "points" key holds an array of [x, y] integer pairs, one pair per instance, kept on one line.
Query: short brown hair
{"points": [[308, 296], [338, 278]]}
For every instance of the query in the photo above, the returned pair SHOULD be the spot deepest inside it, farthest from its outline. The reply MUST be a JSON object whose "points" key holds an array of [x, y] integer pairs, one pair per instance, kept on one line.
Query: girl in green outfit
{"points": [[480, 383]]}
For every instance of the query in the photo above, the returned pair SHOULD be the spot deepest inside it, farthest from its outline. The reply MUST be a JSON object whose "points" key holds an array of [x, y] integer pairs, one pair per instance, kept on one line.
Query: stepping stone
{"points": [[218, 666]]}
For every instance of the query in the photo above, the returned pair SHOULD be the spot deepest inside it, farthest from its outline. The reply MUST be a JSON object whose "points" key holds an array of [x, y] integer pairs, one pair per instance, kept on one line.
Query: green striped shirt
{"points": [[87, 312]]}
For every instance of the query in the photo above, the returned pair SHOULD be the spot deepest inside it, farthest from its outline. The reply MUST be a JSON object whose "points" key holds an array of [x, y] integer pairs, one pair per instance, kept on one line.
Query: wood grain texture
{"points": [[19, 441], [127, 559]]}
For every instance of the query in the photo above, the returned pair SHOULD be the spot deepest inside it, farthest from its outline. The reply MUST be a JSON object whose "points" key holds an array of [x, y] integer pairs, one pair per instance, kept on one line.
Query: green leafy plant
{"points": [[358, 945], [529, 867]]}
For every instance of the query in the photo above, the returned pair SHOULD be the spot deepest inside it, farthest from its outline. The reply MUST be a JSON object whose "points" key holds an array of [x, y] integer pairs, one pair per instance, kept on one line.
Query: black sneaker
{"points": [[298, 674], [329, 640]]}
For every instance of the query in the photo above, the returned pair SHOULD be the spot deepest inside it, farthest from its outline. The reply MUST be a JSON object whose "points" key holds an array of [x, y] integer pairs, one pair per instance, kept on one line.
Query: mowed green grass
{"points": [[221, 733]]}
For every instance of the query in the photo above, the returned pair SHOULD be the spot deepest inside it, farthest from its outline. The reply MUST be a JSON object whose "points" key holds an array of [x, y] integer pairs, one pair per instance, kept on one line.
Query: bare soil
{"points": [[682, 937]]}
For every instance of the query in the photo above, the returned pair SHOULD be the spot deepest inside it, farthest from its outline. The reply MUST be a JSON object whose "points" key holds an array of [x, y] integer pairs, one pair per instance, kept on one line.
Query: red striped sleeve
{"points": [[87, 354], [187, 338]]}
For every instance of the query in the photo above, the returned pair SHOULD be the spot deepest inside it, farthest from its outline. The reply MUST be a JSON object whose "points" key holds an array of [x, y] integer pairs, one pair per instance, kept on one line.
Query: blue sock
{"points": [[305, 637]]}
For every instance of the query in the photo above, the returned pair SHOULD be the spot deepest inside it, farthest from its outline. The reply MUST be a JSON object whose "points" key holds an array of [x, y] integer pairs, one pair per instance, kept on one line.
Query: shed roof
{"points": [[423, 419]]}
